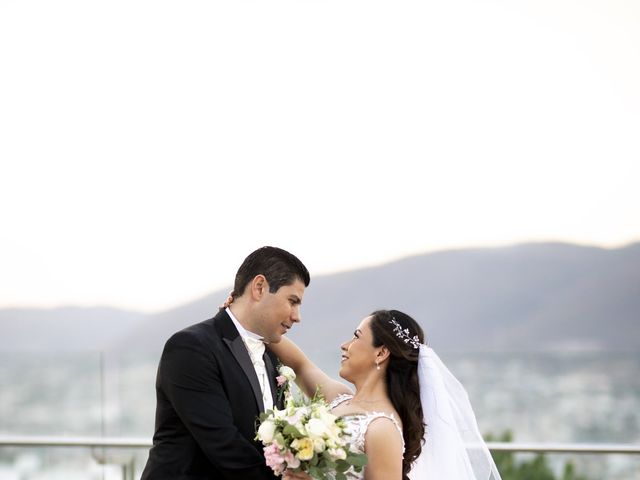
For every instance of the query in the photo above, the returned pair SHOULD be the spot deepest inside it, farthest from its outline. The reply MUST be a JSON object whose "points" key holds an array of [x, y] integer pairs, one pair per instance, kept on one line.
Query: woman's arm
{"points": [[309, 376]]}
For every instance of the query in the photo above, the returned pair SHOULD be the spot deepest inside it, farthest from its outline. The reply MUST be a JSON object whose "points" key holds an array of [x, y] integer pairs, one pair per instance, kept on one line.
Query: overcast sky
{"points": [[147, 147]]}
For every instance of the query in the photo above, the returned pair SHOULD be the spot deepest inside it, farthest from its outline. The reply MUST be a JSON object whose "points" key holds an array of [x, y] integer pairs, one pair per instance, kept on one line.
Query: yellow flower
{"points": [[304, 446]]}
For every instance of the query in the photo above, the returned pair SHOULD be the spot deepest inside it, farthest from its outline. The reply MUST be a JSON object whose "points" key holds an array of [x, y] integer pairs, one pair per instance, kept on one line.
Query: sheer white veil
{"points": [[453, 448]]}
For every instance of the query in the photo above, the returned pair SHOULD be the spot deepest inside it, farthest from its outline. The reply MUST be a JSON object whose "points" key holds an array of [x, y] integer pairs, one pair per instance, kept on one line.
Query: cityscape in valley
{"points": [[580, 398]]}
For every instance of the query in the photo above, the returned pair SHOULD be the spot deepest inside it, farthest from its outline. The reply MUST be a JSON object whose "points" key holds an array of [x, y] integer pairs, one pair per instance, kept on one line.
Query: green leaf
{"points": [[280, 439], [357, 459], [342, 466], [340, 476], [292, 431], [315, 472], [328, 463]]}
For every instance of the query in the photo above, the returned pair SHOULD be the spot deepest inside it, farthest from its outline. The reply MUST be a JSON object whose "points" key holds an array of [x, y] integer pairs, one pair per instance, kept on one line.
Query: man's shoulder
{"points": [[201, 327], [205, 331]]}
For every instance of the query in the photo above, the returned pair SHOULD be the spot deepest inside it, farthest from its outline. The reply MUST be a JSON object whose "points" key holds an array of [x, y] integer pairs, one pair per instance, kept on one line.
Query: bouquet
{"points": [[306, 437]]}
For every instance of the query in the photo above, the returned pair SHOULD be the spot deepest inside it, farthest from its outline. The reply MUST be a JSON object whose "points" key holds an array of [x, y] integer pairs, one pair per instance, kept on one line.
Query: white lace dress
{"points": [[357, 424]]}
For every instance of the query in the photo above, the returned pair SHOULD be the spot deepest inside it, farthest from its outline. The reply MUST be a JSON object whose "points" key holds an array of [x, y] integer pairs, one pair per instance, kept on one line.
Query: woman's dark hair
{"points": [[402, 376], [277, 265]]}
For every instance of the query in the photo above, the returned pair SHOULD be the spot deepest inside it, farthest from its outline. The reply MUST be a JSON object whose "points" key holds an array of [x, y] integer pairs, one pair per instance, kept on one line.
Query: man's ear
{"points": [[259, 287]]}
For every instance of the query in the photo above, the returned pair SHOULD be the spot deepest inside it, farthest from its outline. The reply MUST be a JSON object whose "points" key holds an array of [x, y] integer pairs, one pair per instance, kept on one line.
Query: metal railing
{"points": [[128, 468], [98, 445], [117, 442], [594, 448], [91, 442]]}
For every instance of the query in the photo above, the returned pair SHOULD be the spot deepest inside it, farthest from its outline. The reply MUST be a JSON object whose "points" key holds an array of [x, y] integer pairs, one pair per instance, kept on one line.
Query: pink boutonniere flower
{"points": [[283, 380]]}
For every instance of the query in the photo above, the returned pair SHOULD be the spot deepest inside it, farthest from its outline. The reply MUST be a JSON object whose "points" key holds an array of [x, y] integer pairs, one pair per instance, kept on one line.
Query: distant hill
{"points": [[62, 329], [531, 297]]}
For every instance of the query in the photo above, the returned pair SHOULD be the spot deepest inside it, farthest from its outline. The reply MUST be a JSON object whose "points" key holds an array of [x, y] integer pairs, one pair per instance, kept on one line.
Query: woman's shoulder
{"points": [[384, 445], [383, 428], [392, 423]]}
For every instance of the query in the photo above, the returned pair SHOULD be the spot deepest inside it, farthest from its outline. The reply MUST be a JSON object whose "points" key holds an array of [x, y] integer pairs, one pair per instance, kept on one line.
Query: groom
{"points": [[215, 378]]}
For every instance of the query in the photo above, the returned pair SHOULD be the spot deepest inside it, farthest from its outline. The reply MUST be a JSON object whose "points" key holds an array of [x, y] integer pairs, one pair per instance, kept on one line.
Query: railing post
{"points": [[132, 468]]}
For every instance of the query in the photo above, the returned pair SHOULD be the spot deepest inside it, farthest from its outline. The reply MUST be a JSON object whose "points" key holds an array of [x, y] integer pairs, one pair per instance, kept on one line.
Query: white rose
{"points": [[266, 431], [327, 418], [302, 429], [319, 445], [337, 453], [335, 434], [287, 373], [316, 427], [334, 442], [279, 414]]}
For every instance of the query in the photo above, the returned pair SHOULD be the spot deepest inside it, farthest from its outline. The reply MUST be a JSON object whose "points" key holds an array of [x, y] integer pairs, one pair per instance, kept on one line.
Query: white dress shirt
{"points": [[255, 347]]}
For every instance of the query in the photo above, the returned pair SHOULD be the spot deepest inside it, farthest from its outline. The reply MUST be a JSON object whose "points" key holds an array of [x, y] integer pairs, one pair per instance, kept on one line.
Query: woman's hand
{"points": [[228, 301], [289, 475]]}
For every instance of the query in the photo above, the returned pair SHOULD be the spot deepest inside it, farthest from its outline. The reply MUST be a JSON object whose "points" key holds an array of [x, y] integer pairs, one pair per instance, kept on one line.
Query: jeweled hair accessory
{"points": [[404, 335]]}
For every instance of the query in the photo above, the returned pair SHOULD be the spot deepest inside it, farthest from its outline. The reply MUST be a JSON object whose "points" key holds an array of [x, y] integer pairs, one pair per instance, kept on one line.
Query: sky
{"points": [[146, 147]]}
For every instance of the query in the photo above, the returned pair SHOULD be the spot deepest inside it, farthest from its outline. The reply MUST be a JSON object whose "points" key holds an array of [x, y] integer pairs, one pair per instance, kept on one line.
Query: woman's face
{"points": [[358, 354]]}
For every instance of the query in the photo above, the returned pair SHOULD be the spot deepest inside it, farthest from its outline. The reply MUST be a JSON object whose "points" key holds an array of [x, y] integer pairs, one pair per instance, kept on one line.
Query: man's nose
{"points": [[295, 315]]}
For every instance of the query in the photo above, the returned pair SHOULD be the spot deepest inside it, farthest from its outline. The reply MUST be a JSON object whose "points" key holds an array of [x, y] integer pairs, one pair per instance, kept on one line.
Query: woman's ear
{"points": [[382, 354]]}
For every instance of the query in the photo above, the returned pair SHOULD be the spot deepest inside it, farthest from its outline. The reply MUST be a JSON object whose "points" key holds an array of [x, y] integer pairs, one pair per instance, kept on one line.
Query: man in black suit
{"points": [[215, 377]]}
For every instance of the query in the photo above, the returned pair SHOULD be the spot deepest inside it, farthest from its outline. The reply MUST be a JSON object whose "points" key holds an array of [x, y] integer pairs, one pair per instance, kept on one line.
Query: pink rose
{"points": [[274, 458], [291, 459], [281, 379]]}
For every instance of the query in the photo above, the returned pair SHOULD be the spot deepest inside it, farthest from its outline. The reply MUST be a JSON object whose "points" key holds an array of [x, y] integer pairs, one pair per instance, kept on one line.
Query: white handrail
{"points": [[120, 442], [600, 448], [46, 441]]}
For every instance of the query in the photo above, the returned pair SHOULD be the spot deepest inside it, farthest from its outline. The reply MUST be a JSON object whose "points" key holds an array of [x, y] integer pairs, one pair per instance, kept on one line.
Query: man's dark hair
{"points": [[277, 265]]}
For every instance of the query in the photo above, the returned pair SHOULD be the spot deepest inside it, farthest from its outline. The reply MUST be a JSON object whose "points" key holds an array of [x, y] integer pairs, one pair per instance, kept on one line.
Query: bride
{"points": [[408, 413]]}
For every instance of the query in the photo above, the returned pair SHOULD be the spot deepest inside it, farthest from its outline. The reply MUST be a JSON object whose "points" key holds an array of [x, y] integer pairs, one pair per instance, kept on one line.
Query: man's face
{"points": [[279, 311]]}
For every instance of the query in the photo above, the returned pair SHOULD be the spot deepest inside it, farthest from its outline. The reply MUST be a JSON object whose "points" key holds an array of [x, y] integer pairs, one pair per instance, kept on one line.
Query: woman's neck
{"points": [[371, 389]]}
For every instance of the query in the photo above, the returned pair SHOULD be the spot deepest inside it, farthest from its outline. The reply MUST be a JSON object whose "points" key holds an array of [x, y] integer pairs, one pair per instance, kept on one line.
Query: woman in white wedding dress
{"points": [[408, 413]]}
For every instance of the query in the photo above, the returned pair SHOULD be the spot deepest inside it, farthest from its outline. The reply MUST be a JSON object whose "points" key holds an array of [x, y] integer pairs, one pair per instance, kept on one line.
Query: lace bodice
{"points": [[358, 423]]}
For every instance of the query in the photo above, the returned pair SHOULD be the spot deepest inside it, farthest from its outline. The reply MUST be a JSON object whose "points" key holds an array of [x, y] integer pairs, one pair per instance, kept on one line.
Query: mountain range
{"points": [[529, 297]]}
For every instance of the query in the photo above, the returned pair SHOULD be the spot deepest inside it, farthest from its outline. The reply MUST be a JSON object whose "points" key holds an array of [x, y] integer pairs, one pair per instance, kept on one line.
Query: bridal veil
{"points": [[453, 447]]}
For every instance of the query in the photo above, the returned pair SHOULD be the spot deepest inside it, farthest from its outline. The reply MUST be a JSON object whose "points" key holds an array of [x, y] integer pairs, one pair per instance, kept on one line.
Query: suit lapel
{"points": [[233, 340], [271, 374]]}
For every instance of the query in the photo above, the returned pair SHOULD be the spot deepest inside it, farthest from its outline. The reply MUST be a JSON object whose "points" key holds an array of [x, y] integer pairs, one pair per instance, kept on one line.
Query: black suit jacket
{"points": [[208, 401]]}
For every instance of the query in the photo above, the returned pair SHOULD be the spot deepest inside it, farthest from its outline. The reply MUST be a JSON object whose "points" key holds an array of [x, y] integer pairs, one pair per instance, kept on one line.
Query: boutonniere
{"points": [[285, 376]]}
